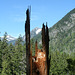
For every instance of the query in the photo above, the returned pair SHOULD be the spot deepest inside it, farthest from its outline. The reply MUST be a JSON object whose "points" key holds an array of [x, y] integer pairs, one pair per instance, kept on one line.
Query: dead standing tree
{"points": [[33, 68], [45, 46], [27, 31]]}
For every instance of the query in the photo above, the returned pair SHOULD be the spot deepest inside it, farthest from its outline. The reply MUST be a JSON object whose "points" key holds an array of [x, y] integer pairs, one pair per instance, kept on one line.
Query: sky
{"points": [[13, 14]]}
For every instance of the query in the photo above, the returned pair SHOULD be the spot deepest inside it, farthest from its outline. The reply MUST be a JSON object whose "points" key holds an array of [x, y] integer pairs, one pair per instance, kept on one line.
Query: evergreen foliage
{"points": [[12, 58]]}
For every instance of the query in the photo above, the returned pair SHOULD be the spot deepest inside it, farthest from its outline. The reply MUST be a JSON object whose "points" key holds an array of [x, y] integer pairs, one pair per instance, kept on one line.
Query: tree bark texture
{"points": [[40, 63], [27, 31]]}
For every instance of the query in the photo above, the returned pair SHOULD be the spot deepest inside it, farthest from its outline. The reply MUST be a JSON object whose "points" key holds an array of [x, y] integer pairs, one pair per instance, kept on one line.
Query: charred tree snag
{"points": [[43, 37], [27, 31], [47, 49], [45, 46], [36, 48], [31, 61], [40, 63]]}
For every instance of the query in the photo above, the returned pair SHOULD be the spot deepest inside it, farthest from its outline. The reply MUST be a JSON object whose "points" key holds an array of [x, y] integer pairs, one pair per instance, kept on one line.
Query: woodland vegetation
{"points": [[12, 59]]}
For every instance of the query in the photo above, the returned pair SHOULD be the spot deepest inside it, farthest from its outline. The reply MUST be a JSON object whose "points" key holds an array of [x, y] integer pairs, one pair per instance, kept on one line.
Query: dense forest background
{"points": [[12, 59]]}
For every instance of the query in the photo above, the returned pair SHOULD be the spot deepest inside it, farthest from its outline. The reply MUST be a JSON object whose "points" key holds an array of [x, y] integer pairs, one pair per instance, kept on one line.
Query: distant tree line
{"points": [[12, 59]]}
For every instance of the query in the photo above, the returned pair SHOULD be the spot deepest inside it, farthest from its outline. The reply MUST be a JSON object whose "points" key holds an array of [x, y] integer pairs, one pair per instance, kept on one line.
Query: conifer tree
{"points": [[18, 55], [4, 54]]}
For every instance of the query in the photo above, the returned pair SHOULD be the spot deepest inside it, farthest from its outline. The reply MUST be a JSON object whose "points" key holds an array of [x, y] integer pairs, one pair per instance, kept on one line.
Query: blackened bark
{"points": [[45, 46], [47, 49], [31, 61], [27, 31], [36, 48], [43, 37]]}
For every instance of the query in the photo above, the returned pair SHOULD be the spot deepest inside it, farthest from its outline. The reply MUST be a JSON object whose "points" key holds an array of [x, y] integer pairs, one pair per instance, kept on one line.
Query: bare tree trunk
{"points": [[31, 61], [45, 46], [43, 37], [27, 31], [36, 48], [47, 50]]}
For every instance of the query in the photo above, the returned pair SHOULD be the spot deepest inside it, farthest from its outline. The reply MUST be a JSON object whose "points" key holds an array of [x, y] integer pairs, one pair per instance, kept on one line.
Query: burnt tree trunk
{"points": [[36, 48], [31, 61], [27, 31], [47, 49], [43, 37], [45, 46]]}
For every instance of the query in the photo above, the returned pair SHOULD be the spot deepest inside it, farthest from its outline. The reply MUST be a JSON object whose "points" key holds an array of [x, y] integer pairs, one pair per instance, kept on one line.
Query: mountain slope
{"points": [[62, 34]]}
